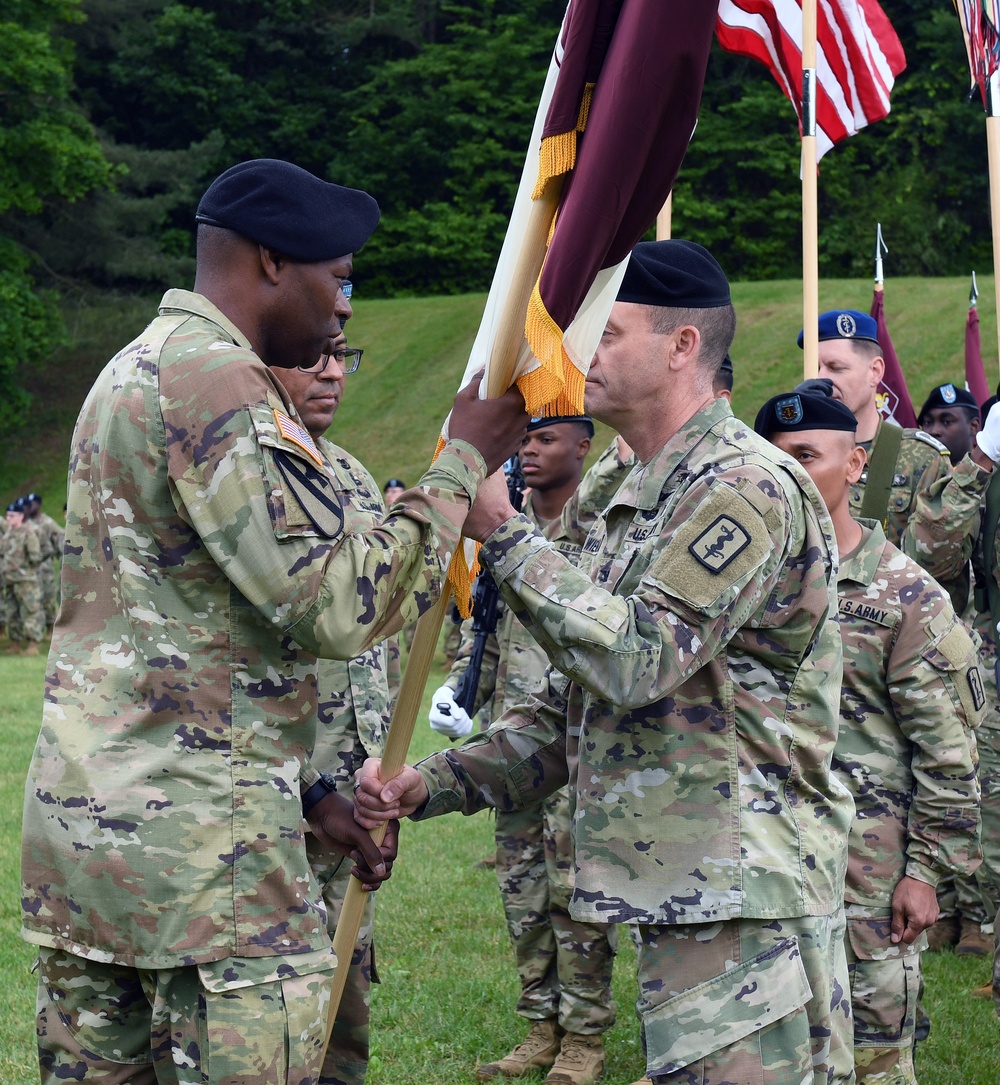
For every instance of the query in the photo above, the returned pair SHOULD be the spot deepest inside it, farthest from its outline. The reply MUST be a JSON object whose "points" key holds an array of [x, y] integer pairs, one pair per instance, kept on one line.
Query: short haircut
{"points": [[717, 326], [865, 348]]}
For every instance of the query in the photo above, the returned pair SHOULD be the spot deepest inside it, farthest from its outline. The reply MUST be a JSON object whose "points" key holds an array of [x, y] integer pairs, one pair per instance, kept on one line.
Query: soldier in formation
{"points": [[51, 537], [912, 696], [20, 558], [699, 670], [564, 966], [352, 697], [180, 926]]}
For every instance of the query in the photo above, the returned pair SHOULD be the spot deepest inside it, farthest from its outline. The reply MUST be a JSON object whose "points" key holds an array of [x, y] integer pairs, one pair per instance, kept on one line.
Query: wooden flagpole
{"points": [[664, 219], [810, 212], [993, 157], [418, 665]]}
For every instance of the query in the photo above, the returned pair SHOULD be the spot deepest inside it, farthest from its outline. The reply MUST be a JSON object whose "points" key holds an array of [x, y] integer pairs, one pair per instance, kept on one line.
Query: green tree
{"points": [[440, 138], [48, 151]]}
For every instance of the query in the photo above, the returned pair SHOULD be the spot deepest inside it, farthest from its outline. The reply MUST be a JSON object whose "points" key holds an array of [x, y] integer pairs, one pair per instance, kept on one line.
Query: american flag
{"points": [[858, 57]]}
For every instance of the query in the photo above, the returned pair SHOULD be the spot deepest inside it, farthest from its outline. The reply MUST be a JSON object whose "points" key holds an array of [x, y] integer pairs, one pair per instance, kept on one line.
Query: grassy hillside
{"points": [[416, 350]]}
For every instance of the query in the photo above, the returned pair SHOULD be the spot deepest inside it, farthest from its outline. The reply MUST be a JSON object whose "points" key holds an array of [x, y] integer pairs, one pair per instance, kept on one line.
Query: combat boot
{"points": [[537, 1051], [986, 991], [973, 942], [30, 649], [943, 933], [580, 1061], [642, 1081]]}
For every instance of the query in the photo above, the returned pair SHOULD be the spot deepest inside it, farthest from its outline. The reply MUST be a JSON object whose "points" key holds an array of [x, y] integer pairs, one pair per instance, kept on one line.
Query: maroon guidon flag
{"points": [[892, 395], [614, 121], [975, 374]]}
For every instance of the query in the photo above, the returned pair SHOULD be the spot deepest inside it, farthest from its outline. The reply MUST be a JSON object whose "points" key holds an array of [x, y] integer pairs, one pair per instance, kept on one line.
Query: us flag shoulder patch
{"points": [[293, 432]]}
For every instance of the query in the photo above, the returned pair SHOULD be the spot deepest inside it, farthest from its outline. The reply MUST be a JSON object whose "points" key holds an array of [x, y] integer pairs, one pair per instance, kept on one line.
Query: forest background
{"points": [[115, 115]]}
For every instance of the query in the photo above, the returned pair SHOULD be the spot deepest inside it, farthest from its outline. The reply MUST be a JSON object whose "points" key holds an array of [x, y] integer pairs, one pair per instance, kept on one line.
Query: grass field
{"points": [[448, 985], [416, 350]]}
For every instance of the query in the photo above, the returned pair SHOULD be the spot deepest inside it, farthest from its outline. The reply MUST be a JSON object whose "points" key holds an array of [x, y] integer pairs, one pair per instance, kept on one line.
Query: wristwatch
{"points": [[317, 791]]}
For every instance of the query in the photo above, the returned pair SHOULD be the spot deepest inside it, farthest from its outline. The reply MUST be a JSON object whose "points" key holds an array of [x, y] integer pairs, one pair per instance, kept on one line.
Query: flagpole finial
{"points": [[973, 293], [880, 248]]}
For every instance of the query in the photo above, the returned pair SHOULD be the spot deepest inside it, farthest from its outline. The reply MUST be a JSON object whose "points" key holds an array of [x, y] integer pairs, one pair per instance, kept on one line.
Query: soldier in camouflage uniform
{"points": [[950, 414], [166, 881], [851, 359], [703, 666], [51, 536], [975, 494], [353, 704], [564, 967], [19, 561], [912, 695]]}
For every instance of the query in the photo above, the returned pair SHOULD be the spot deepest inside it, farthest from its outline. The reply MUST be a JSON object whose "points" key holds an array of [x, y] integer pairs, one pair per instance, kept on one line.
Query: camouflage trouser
{"points": [[49, 589], [988, 741], [564, 966], [347, 1056], [885, 983], [124, 1026], [746, 1000], [25, 618]]}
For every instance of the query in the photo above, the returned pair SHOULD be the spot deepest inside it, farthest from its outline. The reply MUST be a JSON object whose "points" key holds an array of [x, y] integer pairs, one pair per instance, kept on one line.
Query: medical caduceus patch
{"points": [[720, 543]]}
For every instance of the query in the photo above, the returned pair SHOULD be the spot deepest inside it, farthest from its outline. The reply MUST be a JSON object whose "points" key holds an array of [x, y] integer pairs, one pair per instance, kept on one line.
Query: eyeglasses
{"points": [[348, 359]]}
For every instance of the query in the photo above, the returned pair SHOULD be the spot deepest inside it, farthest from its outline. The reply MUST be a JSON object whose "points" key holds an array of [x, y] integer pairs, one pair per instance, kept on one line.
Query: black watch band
{"points": [[317, 791]]}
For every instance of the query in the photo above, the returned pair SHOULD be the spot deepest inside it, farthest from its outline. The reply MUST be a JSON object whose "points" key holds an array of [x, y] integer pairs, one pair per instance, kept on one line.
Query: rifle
{"points": [[486, 603]]}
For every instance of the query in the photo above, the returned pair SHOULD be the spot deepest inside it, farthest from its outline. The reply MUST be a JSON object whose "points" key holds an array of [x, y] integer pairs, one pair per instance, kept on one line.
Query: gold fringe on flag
{"points": [[557, 154]]}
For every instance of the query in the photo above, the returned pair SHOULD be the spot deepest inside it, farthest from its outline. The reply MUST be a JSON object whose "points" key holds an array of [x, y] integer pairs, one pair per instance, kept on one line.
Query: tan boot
{"points": [[30, 649], [973, 943], [537, 1051], [943, 933], [986, 991], [642, 1081], [580, 1061]]}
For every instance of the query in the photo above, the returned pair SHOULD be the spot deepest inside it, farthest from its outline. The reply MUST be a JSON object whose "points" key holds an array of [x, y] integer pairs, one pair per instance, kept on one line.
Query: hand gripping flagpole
{"points": [[810, 213]]}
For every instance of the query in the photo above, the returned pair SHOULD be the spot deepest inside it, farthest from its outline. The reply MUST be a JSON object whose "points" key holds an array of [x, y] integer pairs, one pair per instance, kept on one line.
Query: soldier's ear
{"points": [[856, 463]]}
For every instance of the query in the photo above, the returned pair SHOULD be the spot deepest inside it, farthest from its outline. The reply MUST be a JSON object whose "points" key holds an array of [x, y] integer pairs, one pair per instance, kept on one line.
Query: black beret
{"points": [[726, 365], [674, 274], [818, 386], [35, 497], [801, 411], [846, 324], [287, 209], [13, 507], [949, 395], [394, 483], [585, 419]]}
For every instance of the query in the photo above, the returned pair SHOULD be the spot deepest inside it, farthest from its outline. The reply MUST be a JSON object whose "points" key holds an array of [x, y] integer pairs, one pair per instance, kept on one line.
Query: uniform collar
{"points": [[645, 484], [186, 301], [861, 565]]}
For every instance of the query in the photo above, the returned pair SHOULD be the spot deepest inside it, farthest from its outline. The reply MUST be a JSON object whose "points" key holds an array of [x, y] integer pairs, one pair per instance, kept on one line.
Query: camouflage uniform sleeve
{"points": [[944, 521], [520, 760], [333, 591], [632, 649], [937, 695], [597, 487]]}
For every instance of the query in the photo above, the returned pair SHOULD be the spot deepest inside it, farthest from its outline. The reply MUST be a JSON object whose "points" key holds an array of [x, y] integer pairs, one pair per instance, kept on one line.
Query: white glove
{"points": [[988, 438], [448, 718]]}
